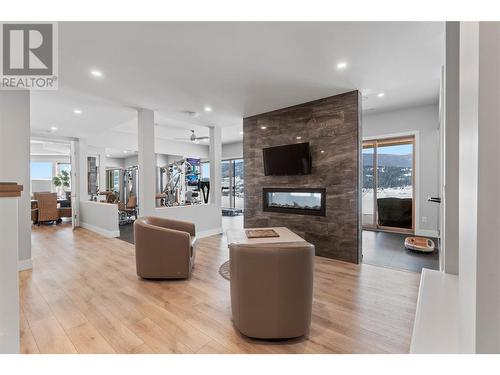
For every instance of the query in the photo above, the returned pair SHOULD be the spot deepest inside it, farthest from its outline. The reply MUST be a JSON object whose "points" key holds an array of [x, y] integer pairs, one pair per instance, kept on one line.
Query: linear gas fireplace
{"points": [[302, 201]]}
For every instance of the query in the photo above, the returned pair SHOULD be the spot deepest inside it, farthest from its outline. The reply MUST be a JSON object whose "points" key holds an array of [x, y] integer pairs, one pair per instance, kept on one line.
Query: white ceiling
{"points": [[239, 69]]}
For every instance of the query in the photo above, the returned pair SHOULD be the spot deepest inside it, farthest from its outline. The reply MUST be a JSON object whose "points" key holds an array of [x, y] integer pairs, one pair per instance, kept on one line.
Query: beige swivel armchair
{"points": [[272, 288], [164, 248]]}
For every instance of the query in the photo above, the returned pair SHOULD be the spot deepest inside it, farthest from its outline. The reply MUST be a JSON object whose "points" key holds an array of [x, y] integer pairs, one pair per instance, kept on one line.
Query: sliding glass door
{"points": [[227, 177], [238, 186], [388, 184], [232, 183]]}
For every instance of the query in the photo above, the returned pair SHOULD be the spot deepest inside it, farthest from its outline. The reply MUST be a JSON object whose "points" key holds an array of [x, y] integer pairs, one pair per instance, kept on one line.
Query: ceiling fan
{"points": [[193, 138]]}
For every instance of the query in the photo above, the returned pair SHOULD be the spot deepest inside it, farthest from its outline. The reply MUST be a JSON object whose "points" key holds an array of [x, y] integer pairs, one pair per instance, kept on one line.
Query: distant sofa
{"points": [[164, 248], [395, 212]]}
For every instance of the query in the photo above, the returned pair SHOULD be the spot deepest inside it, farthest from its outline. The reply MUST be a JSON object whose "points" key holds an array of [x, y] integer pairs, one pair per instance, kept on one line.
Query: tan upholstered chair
{"points": [[272, 288], [164, 248], [47, 207]]}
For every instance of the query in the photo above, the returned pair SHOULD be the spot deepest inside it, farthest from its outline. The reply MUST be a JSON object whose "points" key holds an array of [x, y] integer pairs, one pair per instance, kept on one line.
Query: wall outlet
{"points": [[424, 219]]}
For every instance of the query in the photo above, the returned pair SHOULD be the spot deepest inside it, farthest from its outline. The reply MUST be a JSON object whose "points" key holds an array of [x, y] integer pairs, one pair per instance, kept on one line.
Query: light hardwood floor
{"points": [[83, 296]]}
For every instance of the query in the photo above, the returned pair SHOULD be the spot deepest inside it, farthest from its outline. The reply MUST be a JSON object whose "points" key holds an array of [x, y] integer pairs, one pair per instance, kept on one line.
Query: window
{"points": [[41, 170], [64, 167], [205, 171]]}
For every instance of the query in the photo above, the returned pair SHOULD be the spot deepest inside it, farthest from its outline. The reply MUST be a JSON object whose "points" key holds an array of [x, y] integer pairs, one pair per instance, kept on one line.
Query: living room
{"points": [[243, 188]]}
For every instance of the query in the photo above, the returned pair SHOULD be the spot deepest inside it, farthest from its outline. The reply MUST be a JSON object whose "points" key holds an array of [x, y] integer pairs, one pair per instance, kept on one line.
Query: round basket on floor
{"points": [[425, 245]]}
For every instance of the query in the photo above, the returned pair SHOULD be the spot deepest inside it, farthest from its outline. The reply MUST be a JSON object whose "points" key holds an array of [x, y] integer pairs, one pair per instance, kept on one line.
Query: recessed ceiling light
{"points": [[53, 129], [241, 133], [108, 155], [208, 109], [125, 151], [322, 151], [263, 127], [96, 73], [298, 137], [77, 111], [380, 95], [342, 65]]}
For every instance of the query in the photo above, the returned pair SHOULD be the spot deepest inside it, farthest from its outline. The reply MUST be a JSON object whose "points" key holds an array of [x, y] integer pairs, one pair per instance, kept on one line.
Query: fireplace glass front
{"points": [[300, 201]]}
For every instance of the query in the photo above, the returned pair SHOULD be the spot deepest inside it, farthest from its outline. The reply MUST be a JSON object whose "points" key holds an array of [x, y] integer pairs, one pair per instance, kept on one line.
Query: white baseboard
{"points": [[427, 233], [101, 231], [25, 264], [207, 233]]}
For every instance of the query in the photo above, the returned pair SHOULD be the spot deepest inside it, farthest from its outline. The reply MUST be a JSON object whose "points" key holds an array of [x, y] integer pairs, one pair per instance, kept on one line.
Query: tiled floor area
{"points": [[127, 233], [387, 250]]}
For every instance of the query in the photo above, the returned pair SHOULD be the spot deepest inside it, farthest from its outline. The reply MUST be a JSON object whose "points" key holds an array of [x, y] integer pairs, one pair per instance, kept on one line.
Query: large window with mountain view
{"points": [[388, 183]]}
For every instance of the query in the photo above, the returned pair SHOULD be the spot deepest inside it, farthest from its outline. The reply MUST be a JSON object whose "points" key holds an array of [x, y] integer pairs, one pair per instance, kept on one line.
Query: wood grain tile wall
{"points": [[332, 126]]}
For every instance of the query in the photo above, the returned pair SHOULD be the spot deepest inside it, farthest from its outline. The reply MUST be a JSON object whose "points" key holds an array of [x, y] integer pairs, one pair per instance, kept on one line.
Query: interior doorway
{"points": [[389, 200], [51, 182], [388, 193]]}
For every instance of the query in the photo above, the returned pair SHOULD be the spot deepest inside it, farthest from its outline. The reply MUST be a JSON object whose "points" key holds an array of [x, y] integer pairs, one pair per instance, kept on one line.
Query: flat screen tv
{"points": [[284, 160]]}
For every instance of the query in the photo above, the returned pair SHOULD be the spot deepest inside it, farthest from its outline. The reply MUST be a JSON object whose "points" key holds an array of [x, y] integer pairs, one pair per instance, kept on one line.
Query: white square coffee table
{"points": [[239, 236]]}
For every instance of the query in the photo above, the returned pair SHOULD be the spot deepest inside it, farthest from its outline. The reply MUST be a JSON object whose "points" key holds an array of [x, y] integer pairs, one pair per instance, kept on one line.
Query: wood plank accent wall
{"points": [[331, 125]]}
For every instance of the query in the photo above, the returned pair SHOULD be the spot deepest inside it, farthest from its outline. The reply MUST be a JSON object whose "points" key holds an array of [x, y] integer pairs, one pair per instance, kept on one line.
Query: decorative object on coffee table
{"points": [[261, 233]]}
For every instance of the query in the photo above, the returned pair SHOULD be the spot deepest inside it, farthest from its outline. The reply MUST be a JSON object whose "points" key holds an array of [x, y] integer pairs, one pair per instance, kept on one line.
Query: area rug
{"points": [[224, 270]]}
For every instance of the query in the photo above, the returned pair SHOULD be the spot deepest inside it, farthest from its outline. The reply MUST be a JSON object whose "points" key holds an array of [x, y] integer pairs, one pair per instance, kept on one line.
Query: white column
{"points": [[83, 176], [147, 162], [488, 225], [102, 169], [479, 222], [75, 183], [215, 156], [15, 160], [9, 288]]}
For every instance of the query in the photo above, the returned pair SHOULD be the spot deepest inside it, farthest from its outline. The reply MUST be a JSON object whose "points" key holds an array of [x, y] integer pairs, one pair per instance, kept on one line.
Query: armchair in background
{"points": [[47, 207], [164, 248]]}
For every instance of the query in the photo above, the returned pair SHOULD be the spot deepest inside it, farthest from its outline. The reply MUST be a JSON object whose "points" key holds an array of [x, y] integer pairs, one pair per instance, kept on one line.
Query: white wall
{"points": [[479, 222], [100, 217], [424, 120], [15, 160], [9, 288], [131, 161], [450, 151], [468, 184], [488, 224], [232, 150], [115, 163]]}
